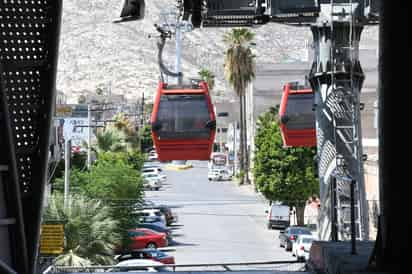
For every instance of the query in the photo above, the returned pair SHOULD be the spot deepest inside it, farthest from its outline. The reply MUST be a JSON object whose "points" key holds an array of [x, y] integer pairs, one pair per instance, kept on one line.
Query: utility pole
{"points": [[221, 140], [142, 112], [67, 160], [178, 50], [234, 148], [179, 27]]}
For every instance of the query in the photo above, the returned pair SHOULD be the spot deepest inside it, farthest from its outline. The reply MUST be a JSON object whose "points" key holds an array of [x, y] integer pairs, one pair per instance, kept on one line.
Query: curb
{"points": [[178, 167]]}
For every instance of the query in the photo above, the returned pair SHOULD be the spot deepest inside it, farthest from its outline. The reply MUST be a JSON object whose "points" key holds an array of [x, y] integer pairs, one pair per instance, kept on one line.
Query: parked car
{"points": [[139, 265], [157, 228], [146, 238], [301, 247], [154, 176], [152, 169], [152, 213], [167, 212], [151, 183], [152, 156], [288, 236], [151, 164], [154, 172], [148, 203], [148, 253], [219, 175], [155, 220], [278, 216]]}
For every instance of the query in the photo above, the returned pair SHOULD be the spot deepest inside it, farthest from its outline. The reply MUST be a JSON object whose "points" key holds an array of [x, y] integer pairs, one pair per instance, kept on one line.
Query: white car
{"points": [[219, 175], [152, 213], [301, 247], [151, 164], [152, 156], [139, 265], [154, 170], [151, 184], [154, 176]]}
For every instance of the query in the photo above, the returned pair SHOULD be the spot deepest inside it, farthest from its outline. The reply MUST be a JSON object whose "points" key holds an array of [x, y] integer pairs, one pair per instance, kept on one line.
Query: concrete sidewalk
{"points": [[336, 258]]}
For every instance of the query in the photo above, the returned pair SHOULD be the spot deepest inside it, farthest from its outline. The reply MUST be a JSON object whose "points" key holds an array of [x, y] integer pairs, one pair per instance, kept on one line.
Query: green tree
{"points": [[115, 180], [283, 174], [78, 179], [239, 72], [120, 137], [146, 138], [208, 76], [130, 136], [110, 140], [78, 162], [90, 231]]}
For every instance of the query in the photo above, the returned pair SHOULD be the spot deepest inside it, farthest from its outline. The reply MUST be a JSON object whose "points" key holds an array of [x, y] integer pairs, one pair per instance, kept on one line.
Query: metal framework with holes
{"points": [[29, 32]]}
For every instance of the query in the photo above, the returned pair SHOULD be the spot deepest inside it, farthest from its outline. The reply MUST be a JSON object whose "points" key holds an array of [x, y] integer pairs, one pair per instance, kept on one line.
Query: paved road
{"points": [[218, 221]]}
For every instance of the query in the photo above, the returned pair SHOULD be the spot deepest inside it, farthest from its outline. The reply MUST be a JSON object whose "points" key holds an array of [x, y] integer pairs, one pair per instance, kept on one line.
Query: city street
{"points": [[218, 221]]}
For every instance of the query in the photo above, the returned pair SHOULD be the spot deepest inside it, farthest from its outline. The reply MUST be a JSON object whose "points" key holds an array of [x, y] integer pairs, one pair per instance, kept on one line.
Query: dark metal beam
{"points": [[27, 100], [394, 75]]}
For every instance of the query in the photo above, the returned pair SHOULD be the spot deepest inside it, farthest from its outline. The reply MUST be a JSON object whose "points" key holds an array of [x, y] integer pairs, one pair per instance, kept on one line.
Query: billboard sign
{"points": [[75, 129]]}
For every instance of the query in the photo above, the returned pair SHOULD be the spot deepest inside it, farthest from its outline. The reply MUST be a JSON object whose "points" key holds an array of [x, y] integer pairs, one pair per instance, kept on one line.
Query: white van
{"points": [[278, 216]]}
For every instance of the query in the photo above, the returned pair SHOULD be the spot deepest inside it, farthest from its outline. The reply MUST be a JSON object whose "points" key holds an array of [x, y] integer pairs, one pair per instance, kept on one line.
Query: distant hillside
{"points": [[95, 53]]}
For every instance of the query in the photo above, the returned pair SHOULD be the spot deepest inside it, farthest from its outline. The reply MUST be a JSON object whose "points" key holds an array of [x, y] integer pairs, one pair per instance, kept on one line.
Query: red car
{"points": [[146, 238], [148, 253]]}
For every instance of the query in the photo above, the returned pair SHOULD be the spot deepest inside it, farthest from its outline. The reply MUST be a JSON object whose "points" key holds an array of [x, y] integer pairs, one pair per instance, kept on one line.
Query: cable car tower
{"points": [[337, 77]]}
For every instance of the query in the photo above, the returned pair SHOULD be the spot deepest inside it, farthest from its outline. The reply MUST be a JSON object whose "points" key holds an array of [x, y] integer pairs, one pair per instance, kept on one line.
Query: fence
{"points": [[262, 266]]}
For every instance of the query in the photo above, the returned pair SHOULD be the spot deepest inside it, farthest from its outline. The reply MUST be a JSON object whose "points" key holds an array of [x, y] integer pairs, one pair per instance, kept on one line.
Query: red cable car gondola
{"points": [[183, 122], [297, 118]]}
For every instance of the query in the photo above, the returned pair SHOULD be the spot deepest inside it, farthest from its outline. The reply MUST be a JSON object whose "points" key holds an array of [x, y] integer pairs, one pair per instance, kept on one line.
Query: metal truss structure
{"points": [[29, 32]]}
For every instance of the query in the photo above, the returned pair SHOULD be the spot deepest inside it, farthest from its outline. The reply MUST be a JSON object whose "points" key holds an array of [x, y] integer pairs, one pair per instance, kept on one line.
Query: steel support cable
{"points": [[160, 45]]}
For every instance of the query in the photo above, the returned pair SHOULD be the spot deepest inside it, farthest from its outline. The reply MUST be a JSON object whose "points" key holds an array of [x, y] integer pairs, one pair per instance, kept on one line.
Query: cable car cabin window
{"points": [[299, 111], [183, 117]]}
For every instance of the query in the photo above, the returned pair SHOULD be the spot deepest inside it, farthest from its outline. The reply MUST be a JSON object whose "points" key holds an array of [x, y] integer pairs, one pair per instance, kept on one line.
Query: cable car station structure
{"points": [[336, 77], [28, 62]]}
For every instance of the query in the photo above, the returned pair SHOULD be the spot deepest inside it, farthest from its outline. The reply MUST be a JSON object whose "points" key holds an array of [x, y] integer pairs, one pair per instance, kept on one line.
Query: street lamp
{"points": [[132, 10]]}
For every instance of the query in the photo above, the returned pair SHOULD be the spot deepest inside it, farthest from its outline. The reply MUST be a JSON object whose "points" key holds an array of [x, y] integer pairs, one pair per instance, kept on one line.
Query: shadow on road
{"points": [[178, 235], [175, 226], [175, 243]]}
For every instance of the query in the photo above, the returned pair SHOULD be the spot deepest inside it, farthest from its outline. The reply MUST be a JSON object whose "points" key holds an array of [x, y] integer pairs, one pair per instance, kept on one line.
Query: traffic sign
{"points": [[64, 111]]}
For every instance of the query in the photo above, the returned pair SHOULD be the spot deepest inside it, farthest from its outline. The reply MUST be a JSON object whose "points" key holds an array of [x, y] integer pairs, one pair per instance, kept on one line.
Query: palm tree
{"points": [[239, 72], [119, 137], [109, 140], [131, 136], [90, 233], [208, 76]]}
